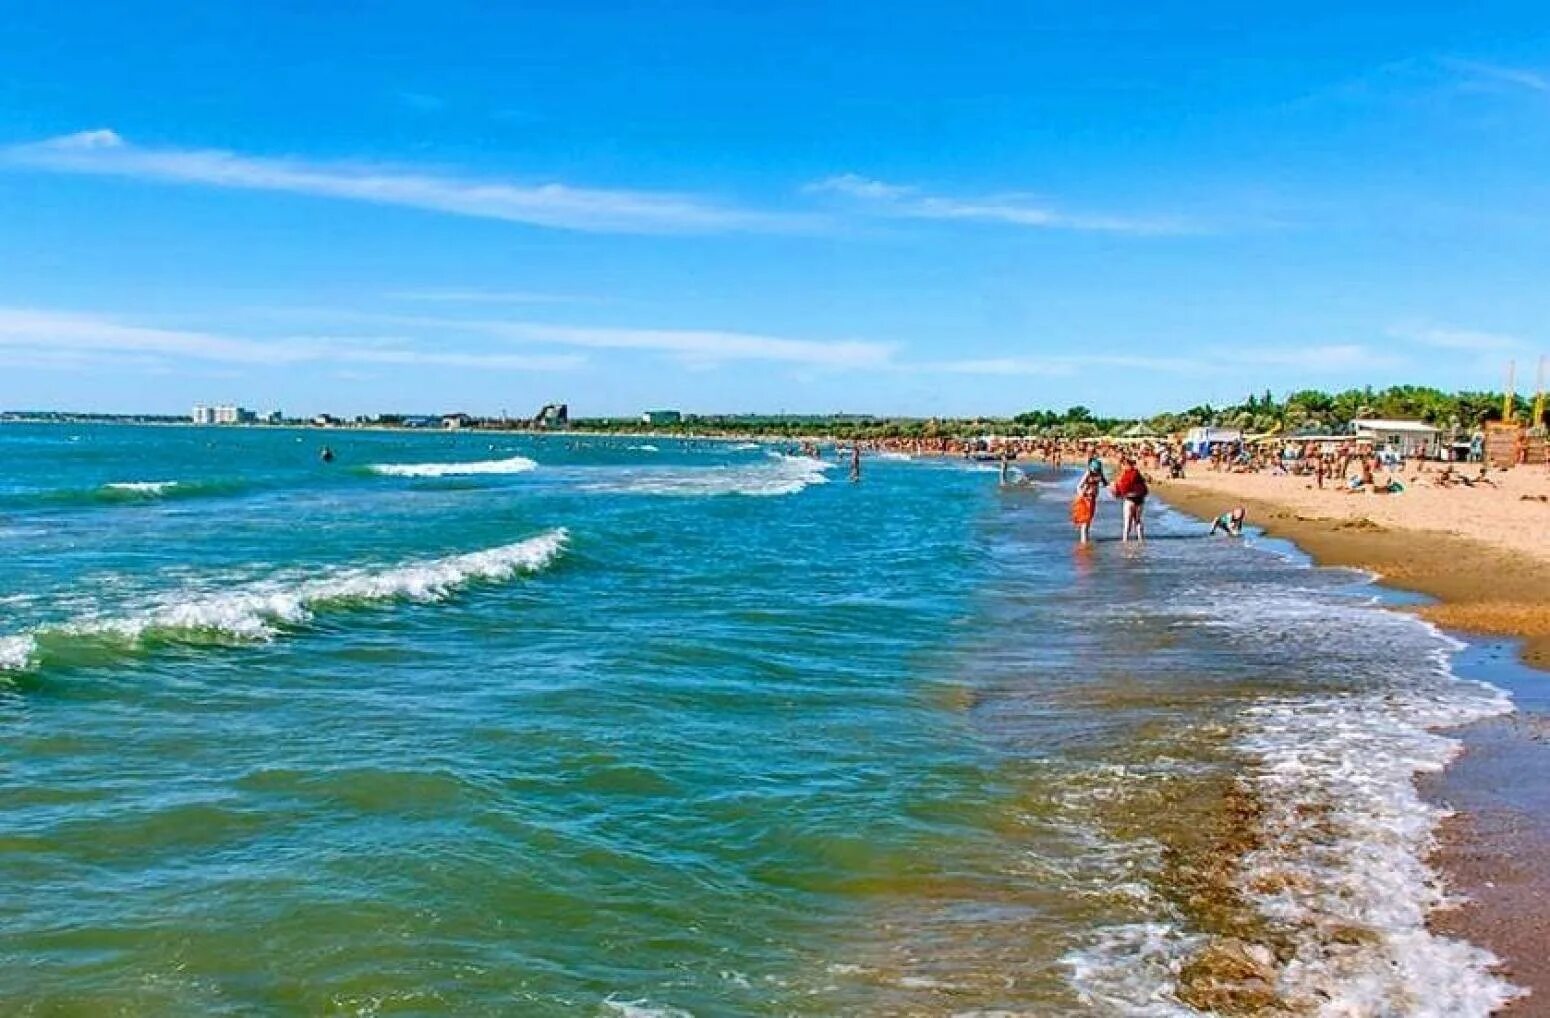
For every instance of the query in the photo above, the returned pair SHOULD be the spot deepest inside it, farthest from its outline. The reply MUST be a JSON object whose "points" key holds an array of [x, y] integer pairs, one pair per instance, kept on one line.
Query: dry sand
{"points": [[1484, 554]]}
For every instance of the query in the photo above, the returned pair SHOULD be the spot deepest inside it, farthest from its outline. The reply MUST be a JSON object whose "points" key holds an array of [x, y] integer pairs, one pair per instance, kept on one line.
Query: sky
{"points": [[917, 209]]}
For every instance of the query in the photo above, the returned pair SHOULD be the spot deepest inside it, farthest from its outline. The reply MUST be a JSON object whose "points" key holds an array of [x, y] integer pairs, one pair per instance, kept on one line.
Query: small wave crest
{"points": [[510, 465], [151, 488], [262, 611], [127, 492]]}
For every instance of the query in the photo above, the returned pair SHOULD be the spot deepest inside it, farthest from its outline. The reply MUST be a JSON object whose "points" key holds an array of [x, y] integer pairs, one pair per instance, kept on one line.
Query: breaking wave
{"points": [[779, 475], [262, 611], [511, 465]]}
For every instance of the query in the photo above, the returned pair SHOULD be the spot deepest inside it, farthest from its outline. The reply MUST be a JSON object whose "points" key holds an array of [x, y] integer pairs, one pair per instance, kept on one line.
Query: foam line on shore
{"points": [[263, 611]]}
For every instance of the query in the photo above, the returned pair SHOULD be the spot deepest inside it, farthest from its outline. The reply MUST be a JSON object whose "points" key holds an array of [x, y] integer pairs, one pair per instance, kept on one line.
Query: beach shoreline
{"points": [[1494, 851]]}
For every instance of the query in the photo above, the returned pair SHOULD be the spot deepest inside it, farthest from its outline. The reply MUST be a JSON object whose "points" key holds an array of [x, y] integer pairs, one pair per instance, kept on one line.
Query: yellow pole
{"points": [[1507, 400], [1539, 395]]}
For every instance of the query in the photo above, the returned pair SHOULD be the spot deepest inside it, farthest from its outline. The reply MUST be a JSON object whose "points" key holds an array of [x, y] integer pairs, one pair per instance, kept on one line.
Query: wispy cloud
{"points": [[1467, 340], [422, 102], [697, 347], [1309, 359], [559, 206], [455, 296], [1013, 209], [1477, 72], [80, 339]]}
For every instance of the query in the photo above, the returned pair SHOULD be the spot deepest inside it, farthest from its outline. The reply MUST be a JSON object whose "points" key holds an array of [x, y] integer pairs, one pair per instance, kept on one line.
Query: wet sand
{"points": [[1483, 554], [1495, 852]]}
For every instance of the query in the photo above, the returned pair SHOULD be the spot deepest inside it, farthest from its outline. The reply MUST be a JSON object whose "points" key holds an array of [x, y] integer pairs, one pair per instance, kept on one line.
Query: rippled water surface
{"points": [[477, 724]]}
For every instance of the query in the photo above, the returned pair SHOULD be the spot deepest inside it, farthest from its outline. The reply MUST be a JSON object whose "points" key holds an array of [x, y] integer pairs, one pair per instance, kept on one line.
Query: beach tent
{"points": [[1200, 440]]}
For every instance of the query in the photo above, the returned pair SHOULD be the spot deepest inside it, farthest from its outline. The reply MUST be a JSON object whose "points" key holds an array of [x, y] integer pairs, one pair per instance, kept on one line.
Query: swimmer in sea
{"points": [[327, 455], [1230, 523]]}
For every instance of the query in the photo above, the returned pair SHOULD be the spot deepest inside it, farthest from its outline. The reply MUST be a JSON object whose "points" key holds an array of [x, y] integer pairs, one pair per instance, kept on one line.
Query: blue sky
{"points": [[902, 208]]}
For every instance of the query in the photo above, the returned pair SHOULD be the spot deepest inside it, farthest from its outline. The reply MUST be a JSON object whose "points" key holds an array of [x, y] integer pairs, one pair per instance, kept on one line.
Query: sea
{"points": [[479, 724]]}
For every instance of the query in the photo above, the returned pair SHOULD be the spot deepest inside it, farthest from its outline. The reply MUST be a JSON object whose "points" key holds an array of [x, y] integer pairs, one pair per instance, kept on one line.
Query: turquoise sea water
{"points": [[481, 724]]}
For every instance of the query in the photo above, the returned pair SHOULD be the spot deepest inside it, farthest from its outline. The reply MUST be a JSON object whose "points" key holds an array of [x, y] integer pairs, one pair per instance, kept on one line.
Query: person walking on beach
{"points": [[1085, 506], [1131, 489]]}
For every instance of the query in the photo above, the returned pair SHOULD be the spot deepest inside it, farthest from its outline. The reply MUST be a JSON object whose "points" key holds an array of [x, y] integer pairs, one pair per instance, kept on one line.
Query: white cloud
{"points": [[23, 329], [1012, 209], [699, 347], [38, 336], [559, 206], [1469, 340]]}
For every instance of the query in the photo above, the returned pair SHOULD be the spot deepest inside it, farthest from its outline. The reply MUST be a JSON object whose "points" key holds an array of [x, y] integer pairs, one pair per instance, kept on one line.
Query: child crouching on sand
{"points": [[1229, 523]]}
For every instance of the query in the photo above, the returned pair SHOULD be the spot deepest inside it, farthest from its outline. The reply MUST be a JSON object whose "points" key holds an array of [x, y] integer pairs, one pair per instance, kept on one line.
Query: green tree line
{"points": [[1306, 410]]}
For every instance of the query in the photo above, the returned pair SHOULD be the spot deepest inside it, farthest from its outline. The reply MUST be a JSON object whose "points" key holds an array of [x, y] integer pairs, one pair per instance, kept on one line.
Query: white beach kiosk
{"points": [[1410, 439]]}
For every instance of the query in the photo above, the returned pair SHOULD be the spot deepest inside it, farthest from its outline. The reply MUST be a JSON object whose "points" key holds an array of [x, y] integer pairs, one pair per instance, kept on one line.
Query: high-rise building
{"points": [[223, 414]]}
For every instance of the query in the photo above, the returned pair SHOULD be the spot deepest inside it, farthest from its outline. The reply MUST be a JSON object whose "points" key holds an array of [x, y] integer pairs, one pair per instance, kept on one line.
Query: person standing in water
{"points": [[1130, 488], [855, 462], [1085, 506]]}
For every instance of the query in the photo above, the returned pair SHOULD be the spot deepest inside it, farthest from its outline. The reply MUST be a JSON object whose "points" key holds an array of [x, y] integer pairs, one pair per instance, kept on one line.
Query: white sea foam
{"points": [[642, 1009], [511, 465], [778, 475], [1347, 836], [1132, 970], [896, 457], [645, 448], [746, 447], [142, 487], [16, 652], [260, 611]]}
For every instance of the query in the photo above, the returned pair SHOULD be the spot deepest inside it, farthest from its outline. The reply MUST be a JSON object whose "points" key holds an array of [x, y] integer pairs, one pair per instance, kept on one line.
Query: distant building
{"points": [[453, 422], [658, 418], [274, 417], [1407, 438], [552, 416], [224, 414], [324, 421]]}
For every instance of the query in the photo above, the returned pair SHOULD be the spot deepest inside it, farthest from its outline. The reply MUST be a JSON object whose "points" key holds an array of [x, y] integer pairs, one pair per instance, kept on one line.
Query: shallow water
{"points": [[481, 724]]}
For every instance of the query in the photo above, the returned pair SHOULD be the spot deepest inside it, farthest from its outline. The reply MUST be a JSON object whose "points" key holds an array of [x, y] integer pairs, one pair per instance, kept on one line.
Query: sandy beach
{"points": [[1482, 554]]}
